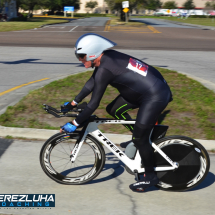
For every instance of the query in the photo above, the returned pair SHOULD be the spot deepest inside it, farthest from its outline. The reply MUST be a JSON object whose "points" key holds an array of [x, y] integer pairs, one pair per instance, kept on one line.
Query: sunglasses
{"points": [[80, 55]]}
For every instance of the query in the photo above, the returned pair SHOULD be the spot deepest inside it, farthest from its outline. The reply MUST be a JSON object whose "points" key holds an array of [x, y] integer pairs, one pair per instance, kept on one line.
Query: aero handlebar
{"points": [[63, 112]]}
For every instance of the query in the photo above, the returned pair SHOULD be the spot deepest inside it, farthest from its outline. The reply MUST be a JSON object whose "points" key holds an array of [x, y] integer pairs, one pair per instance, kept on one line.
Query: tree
{"points": [[52, 5], [153, 4], [114, 4], [29, 4], [170, 5], [1, 5], [189, 5], [210, 5], [133, 4], [91, 4]]}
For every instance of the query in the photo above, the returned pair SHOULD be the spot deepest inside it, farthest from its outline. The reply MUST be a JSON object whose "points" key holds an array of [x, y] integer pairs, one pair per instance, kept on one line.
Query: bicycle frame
{"points": [[132, 164]]}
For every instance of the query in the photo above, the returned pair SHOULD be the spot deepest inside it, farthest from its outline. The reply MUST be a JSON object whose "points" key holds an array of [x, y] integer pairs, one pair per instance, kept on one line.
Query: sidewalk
{"points": [[44, 134]]}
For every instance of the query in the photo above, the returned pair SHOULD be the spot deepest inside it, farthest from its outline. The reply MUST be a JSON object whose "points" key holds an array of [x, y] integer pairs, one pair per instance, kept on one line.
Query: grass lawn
{"points": [[191, 113], [32, 23], [197, 21]]}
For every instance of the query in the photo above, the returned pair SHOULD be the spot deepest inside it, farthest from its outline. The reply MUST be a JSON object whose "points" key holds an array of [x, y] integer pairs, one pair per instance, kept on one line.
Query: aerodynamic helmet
{"points": [[92, 45]]}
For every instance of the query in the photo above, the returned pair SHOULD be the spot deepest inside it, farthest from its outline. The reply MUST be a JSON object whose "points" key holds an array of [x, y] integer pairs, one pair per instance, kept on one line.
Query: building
{"points": [[200, 4], [101, 8]]}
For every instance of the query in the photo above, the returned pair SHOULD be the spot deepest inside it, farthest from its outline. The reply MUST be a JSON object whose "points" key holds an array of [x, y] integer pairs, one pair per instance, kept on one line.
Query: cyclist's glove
{"points": [[69, 127], [67, 106]]}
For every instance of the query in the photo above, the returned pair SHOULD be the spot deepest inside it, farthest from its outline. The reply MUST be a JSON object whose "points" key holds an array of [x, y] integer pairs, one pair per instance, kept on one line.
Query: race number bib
{"points": [[137, 66]]}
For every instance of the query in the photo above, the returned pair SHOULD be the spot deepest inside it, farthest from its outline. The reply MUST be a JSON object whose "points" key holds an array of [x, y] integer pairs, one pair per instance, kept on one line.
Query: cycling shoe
{"points": [[124, 144], [149, 180]]}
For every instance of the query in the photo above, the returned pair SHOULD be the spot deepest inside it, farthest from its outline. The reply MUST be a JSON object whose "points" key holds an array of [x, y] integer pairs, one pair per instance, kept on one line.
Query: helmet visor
{"points": [[80, 55]]}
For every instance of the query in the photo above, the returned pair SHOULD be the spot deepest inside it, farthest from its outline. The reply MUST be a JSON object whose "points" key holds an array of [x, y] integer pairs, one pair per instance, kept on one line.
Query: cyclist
{"points": [[140, 86]]}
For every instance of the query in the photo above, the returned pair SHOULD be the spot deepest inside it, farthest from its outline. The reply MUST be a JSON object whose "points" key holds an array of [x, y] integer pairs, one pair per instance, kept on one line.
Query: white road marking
{"points": [[55, 31], [56, 27], [73, 28], [39, 31], [88, 27]]}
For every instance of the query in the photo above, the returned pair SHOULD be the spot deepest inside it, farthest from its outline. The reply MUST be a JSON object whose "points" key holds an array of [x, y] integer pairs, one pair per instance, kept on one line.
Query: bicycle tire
{"points": [[60, 146], [193, 160]]}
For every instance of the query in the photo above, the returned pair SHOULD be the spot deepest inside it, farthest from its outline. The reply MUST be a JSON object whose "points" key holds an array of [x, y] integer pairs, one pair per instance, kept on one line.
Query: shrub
{"points": [[201, 16], [20, 18], [87, 14], [59, 13]]}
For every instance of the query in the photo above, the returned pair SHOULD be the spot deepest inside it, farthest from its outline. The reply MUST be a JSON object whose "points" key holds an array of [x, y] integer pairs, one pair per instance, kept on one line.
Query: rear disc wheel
{"points": [[193, 160]]}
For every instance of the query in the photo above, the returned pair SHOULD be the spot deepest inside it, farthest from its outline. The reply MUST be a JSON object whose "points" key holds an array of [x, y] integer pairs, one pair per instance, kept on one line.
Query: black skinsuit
{"points": [[140, 86]]}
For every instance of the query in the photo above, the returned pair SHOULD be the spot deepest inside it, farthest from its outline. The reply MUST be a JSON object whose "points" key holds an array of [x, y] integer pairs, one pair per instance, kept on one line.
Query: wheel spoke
{"points": [[85, 166], [84, 152], [64, 149], [75, 171], [66, 165], [62, 165], [70, 147], [59, 157], [59, 160], [61, 152]]}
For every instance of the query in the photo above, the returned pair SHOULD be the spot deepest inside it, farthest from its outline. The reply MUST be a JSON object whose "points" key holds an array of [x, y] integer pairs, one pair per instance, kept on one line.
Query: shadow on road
{"points": [[4, 144], [118, 169], [161, 66], [147, 22], [32, 61], [209, 180]]}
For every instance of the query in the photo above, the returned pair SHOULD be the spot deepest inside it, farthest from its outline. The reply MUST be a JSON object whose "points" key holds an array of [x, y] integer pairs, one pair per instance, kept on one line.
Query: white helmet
{"points": [[92, 45]]}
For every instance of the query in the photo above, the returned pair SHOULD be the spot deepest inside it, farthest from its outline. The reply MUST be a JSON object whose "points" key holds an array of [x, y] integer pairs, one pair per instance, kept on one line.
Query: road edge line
{"points": [[22, 85]]}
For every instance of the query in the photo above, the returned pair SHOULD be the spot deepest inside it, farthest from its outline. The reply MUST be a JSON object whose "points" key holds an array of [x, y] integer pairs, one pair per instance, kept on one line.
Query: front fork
{"points": [[77, 148]]}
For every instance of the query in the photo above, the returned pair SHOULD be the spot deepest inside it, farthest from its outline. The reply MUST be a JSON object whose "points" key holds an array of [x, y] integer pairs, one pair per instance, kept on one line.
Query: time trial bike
{"points": [[180, 162]]}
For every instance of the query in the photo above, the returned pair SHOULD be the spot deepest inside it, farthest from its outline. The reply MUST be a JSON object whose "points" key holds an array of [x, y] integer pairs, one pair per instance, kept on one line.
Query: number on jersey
{"points": [[137, 66]]}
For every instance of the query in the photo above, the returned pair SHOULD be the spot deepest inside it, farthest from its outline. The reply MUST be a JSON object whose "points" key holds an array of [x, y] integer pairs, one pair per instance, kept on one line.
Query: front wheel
{"points": [[55, 159], [193, 160]]}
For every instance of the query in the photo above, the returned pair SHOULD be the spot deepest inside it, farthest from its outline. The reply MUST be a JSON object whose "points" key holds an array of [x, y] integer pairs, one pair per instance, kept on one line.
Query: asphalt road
{"points": [[158, 35], [107, 194]]}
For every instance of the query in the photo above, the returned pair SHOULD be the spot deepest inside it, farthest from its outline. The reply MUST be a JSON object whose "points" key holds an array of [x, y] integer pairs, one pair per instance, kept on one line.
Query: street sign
{"points": [[125, 4], [125, 10], [69, 9]]}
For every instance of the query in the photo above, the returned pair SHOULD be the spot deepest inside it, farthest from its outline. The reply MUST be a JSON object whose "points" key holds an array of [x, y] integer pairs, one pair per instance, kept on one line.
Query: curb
{"points": [[44, 134], [188, 24]]}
